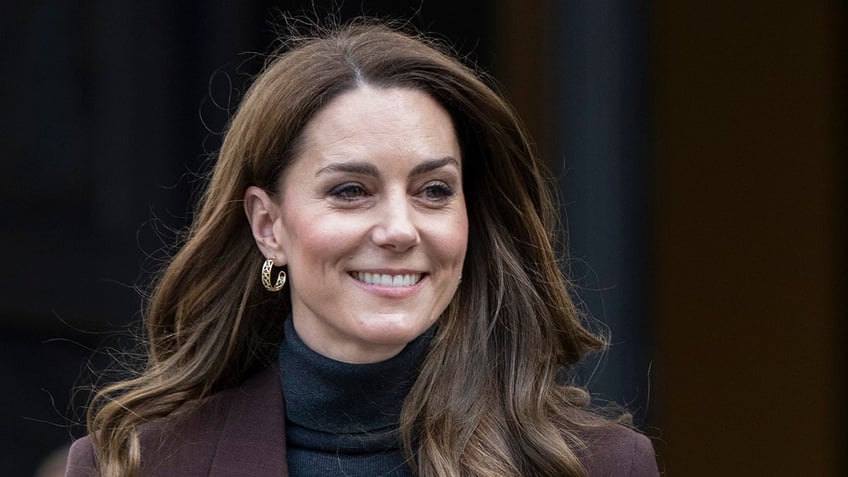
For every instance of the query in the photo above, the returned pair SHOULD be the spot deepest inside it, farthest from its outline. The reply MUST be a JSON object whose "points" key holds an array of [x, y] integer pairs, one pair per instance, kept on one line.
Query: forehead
{"points": [[377, 121]]}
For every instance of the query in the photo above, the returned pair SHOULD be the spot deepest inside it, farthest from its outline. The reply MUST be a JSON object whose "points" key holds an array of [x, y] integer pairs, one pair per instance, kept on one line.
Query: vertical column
{"points": [[599, 59]]}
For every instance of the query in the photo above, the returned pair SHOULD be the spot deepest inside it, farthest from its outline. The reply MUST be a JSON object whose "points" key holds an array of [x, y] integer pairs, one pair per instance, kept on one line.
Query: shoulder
{"points": [[81, 460], [198, 438], [615, 450]]}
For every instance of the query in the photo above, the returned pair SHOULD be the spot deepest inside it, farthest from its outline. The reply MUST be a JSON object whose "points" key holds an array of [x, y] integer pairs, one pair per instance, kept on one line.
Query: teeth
{"points": [[388, 280]]}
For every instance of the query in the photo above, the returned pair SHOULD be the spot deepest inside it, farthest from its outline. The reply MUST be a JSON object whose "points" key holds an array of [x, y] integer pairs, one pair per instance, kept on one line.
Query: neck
{"points": [[329, 399]]}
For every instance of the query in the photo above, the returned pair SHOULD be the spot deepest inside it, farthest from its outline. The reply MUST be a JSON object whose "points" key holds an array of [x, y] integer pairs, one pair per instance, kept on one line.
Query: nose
{"points": [[396, 229]]}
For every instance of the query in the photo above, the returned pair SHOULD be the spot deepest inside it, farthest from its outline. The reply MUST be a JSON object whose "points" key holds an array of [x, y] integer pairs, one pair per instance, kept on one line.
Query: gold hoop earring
{"points": [[266, 277]]}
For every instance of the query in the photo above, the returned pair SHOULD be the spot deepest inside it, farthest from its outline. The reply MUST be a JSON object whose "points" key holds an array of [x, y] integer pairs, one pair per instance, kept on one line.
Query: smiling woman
{"points": [[373, 230], [419, 323]]}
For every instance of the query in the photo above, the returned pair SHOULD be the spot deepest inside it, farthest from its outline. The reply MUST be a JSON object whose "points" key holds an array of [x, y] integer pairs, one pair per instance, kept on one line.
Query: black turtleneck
{"points": [[341, 418]]}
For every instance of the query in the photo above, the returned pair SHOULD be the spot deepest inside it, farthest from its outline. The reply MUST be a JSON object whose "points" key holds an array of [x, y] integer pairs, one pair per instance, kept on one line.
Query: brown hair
{"points": [[486, 401]]}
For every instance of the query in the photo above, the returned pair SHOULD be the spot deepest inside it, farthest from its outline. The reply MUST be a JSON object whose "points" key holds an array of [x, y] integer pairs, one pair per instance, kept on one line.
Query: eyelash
{"points": [[350, 192], [441, 188], [342, 191]]}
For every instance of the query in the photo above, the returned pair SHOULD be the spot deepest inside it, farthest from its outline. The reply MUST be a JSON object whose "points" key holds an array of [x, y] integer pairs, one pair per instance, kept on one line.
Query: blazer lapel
{"points": [[253, 437]]}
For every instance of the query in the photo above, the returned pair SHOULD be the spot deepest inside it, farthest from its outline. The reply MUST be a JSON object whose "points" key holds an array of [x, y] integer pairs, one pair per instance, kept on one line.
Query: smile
{"points": [[385, 280]]}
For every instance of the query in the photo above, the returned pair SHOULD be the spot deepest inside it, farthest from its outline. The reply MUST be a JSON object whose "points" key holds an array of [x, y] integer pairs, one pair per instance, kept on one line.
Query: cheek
{"points": [[451, 240], [461, 242], [318, 239]]}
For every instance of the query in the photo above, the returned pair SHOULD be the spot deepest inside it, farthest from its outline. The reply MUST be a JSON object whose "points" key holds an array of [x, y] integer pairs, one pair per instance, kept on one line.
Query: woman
{"points": [[369, 288]]}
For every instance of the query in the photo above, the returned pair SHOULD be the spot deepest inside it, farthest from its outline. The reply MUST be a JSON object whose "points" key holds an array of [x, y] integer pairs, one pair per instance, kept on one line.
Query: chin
{"points": [[394, 332]]}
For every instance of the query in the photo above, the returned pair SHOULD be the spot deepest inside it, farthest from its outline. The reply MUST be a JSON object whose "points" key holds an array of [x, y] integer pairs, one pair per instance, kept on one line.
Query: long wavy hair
{"points": [[487, 401]]}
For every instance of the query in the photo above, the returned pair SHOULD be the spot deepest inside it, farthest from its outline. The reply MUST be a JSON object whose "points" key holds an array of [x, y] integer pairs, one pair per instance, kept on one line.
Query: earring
{"points": [[266, 277]]}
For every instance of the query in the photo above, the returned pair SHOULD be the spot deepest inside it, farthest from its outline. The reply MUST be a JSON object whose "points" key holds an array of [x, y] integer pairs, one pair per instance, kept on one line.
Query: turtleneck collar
{"points": [[336, 406]]}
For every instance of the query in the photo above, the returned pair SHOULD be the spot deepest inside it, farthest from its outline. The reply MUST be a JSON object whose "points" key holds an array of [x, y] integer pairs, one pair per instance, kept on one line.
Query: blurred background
{"points": [[699, 148]]}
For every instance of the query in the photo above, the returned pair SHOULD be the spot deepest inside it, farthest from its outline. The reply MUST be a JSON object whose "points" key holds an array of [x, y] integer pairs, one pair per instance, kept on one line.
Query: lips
{"points": [[386, 280]]}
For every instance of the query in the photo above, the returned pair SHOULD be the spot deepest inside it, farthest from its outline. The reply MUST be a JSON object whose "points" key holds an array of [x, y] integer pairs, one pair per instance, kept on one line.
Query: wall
{"points": [[750, 227]]}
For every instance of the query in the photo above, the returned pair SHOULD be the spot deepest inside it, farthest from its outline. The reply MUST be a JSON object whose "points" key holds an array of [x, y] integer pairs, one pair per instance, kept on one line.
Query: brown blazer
{"points": [[241, 432]]}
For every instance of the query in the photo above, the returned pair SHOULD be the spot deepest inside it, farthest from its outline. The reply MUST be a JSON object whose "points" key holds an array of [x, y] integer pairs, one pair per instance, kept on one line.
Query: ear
{"points": [[263, 213]]}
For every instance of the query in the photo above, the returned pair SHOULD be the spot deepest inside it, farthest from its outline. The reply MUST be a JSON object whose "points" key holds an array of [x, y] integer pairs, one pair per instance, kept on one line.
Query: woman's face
{"points": [[372, 223]]}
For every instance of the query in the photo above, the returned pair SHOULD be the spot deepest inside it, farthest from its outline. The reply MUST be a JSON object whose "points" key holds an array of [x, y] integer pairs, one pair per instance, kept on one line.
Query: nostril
{"points": [[396, 234]]}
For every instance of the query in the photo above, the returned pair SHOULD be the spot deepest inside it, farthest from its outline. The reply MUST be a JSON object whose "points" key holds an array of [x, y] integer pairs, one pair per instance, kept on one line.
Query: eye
{"points": [[437, 191], [348, 192]]}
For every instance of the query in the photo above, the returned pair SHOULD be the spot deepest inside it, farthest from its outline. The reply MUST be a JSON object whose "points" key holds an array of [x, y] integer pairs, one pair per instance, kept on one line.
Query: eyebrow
{"points": [[362, 168], [428, 166], [368, 169]]}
